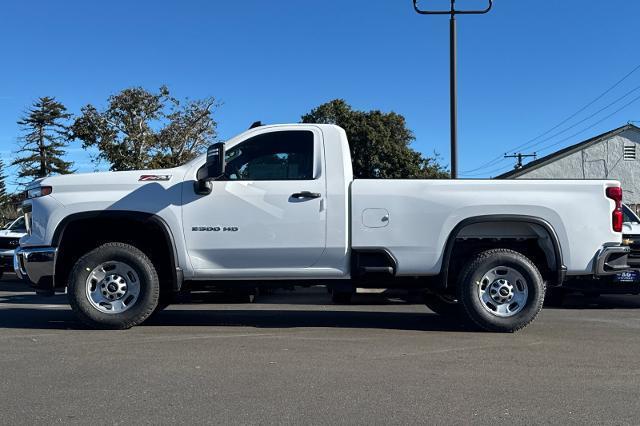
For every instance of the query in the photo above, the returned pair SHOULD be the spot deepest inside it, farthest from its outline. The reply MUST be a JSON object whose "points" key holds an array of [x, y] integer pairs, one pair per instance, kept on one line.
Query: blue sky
{"points": [[524, 68]]}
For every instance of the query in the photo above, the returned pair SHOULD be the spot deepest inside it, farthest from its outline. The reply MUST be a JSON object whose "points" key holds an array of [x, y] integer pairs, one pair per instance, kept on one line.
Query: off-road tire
{"points": [[473, 272], [149, 287]]}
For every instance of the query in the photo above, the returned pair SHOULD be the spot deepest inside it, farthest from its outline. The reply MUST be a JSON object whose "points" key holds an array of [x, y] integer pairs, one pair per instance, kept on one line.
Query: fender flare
{"points": [[561, 269], [138, 216]]}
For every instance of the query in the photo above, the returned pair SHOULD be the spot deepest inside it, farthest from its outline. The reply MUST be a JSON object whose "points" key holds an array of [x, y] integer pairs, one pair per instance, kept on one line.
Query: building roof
{"points": [[542, 161]]}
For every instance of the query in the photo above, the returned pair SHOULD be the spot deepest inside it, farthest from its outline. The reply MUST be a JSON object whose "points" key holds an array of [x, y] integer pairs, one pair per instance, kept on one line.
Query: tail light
{"points": [[615, 193]]}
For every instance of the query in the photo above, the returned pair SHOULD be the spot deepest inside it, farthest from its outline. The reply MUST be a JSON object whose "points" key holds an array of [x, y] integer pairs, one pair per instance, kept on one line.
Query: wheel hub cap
{"points": [[503, 291], [113, 287]]}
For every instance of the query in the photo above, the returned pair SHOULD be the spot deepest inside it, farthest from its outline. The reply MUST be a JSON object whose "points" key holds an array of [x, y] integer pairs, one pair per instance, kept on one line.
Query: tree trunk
{"points": [[43, 152]]}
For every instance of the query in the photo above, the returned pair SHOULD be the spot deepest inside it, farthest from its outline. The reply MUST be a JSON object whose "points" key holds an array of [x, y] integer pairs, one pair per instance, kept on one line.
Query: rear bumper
{"points": [[36, 265], [612, 260]]}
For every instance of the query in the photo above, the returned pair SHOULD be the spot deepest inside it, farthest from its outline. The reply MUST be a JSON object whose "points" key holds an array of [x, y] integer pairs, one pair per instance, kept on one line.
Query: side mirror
{"points": [[213, 169]]}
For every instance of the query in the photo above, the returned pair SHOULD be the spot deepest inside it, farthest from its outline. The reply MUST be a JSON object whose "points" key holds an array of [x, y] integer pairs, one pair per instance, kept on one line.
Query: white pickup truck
{"points": [[278, 205]]}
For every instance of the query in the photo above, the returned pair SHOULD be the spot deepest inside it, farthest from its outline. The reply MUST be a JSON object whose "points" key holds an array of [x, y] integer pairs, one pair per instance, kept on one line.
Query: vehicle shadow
{"points": [[11, 284], [18, 311], [268, 318], [64, 319], [581, 302]]}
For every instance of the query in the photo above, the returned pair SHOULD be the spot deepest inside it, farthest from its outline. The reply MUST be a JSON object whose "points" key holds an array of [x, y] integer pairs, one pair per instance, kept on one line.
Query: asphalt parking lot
{"points": [[295, 358]]}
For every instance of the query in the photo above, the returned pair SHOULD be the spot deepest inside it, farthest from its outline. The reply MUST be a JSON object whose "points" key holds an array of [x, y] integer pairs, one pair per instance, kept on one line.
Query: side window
{"points": [[285, 155]]}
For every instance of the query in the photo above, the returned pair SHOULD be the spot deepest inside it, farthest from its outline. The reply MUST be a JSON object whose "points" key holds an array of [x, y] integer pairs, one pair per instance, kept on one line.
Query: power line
{"points": [[600, 96], [489, 163], [585, 119], [489, 172], [519, 156], [634, 100]]}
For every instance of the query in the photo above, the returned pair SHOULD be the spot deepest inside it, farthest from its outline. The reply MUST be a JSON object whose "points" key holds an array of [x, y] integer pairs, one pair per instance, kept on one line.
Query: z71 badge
{"points": [[154, 178], [214, 228]]}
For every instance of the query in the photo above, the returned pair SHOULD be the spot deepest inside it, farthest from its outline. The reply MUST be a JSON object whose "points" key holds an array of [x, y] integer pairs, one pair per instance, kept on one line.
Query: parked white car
{"points": [[278, 205], [9, 242], [631, 224]]}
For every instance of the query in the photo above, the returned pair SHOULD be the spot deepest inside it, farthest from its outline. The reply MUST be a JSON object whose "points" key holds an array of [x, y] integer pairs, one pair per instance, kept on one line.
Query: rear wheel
{"points": [[501, 290], [114, 286]]}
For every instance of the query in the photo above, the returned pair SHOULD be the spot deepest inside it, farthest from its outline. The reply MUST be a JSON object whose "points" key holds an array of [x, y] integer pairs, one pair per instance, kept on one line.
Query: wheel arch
{"points": [[123, 218], [553, 254]]}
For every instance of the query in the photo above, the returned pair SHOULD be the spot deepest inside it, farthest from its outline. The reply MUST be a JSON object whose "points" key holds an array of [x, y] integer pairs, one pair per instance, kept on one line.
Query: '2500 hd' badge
{"points": [[214, 228]]}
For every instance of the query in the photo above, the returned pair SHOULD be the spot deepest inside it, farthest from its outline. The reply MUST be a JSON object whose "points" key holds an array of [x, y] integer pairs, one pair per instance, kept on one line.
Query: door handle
{"points": [[306, 194]]}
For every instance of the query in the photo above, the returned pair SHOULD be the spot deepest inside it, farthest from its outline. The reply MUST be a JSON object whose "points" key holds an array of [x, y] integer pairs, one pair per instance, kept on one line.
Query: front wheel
{"points": [[114, 286], [501, 290]]}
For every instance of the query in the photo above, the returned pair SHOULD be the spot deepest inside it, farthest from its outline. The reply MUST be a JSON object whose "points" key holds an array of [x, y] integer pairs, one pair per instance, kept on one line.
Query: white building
{"points": [[612, 155]]}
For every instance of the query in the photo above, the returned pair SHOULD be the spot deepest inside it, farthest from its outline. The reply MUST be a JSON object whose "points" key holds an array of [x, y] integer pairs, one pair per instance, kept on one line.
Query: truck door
{"points": [[268, 212]]}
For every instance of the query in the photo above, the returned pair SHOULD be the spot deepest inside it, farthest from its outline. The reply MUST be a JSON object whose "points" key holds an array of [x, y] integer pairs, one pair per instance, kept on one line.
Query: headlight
{"points": [[40, 191]]}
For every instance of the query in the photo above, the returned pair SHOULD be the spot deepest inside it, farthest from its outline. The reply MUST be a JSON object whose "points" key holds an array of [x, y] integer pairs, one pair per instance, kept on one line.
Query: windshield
{"points": [[629, 215], [18, 226]]}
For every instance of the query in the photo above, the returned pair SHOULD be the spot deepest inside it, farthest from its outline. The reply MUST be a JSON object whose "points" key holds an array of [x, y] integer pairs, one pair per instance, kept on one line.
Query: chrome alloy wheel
{"points": [[503, 291], [113, 287]]}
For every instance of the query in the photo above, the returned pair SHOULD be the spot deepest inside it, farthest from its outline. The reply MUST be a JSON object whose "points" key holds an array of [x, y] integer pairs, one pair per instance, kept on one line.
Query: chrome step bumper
{"points": [[37, 266]]}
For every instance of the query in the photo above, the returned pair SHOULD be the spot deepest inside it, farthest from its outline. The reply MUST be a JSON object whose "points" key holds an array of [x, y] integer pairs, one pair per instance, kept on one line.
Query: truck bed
{"points": [[413, 219]]}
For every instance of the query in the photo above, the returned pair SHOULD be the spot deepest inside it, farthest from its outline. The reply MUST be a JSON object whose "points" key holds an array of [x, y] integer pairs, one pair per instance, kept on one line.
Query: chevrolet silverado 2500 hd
{"points": [[278, 205]]}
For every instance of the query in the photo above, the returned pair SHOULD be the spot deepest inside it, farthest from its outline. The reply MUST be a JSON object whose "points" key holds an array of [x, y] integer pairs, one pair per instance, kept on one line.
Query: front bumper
{"points": [[6, 260], [37, 266], [612, 260]]}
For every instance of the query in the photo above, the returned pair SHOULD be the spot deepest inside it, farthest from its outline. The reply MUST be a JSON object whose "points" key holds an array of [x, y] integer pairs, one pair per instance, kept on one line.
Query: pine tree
{"points": [[46, 135], [3, 185]]}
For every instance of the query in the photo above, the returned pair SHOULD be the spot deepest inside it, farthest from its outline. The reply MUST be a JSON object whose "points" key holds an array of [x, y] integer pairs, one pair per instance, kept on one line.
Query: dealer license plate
{"points": [[628, 276]]}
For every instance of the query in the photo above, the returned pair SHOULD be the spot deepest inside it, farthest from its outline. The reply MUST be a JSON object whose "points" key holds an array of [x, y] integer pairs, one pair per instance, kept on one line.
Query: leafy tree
{"points": [[190, 131], [41, 149], [379, 143], [141, 130]]}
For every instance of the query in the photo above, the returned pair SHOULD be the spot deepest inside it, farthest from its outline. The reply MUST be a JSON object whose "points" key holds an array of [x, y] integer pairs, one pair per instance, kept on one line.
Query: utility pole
{"points": [[519, 156], [453, 69]]}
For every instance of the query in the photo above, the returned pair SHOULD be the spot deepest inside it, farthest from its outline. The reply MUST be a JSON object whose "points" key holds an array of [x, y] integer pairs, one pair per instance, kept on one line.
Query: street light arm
{"points": [[452, 11]]}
